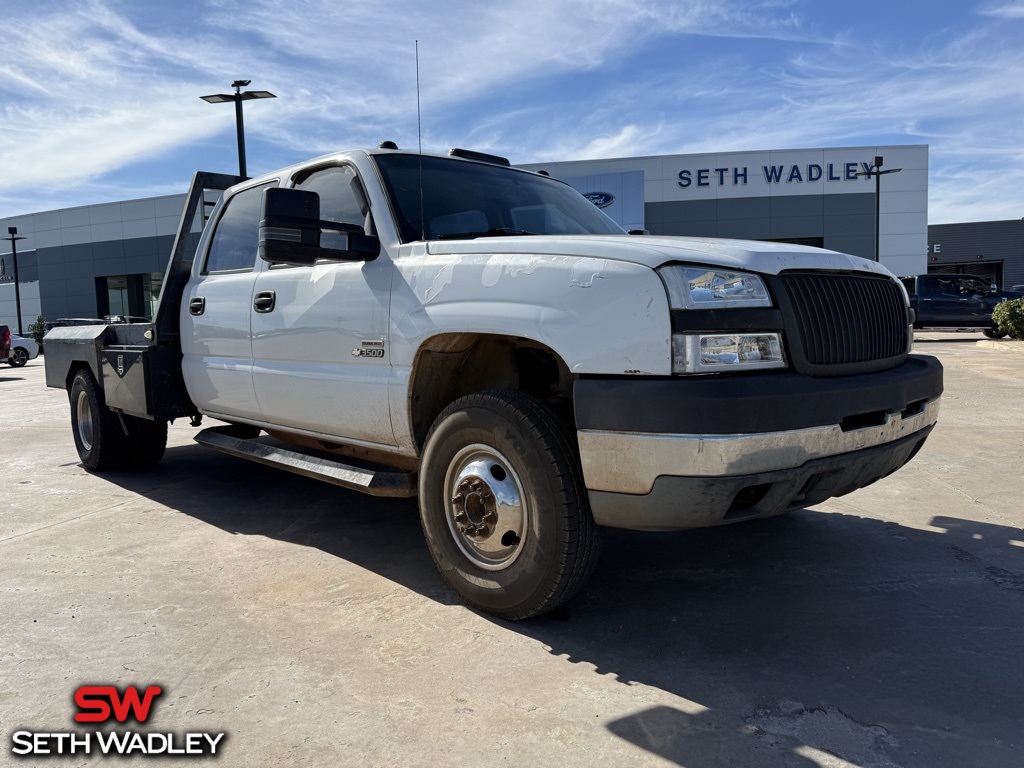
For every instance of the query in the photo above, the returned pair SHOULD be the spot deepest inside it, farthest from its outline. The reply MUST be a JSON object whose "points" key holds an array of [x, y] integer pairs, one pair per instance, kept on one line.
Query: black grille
{"points": [[848, 319]]}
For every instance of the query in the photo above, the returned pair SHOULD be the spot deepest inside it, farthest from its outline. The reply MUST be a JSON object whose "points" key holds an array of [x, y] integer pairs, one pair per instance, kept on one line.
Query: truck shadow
{"points": [[806, 635], [814, 633]]}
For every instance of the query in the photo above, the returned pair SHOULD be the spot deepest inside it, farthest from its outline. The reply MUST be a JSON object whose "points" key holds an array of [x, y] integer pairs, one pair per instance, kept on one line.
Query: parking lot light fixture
{"points": [[877, 172], [238, 97], [12, 235]]}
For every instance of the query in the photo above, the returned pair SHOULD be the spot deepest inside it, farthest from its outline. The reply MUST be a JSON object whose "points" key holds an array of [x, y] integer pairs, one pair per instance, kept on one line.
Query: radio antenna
{"points": [[419, 138]]}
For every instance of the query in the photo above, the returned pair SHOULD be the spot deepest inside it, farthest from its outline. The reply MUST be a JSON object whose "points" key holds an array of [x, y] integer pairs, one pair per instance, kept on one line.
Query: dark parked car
{"points": [[956, 301]]}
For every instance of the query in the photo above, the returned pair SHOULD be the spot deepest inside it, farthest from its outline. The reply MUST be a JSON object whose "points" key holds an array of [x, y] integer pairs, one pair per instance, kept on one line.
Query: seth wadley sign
{"points": [[772, 174]]}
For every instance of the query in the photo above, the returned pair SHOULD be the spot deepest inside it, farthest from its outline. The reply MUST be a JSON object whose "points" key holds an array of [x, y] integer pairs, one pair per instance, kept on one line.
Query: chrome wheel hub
{"points": [[474, 508], [83, 414], [485, 506]]}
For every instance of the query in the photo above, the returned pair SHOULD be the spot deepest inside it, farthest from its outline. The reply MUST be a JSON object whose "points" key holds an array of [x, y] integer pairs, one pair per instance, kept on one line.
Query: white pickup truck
{"points": [[487, 339]]}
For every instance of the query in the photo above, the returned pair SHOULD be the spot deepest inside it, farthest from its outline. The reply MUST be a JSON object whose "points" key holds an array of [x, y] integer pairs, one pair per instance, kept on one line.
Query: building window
{"points": [[133, 296], [151, 285], [117, 295]]}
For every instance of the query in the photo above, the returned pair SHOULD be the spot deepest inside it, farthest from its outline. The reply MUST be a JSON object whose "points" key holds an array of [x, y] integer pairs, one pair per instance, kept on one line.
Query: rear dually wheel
{"points": [[100, 436]]}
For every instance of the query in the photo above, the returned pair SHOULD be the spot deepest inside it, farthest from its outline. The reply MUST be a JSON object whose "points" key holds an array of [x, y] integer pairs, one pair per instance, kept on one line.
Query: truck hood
{"points": [[654, 250]]}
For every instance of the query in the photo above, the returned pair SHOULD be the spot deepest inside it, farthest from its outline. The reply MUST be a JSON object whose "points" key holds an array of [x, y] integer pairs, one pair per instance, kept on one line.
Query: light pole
{"points": [[12, 235], [238, 97], [877, 172]]}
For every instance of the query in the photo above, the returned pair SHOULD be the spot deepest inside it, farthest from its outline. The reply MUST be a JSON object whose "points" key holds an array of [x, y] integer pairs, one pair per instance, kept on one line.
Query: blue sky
{"points": [[99, 99]]}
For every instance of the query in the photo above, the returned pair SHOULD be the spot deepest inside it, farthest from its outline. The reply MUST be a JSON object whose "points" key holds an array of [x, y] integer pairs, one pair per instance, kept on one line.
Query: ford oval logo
{"points": [[600, 199]]}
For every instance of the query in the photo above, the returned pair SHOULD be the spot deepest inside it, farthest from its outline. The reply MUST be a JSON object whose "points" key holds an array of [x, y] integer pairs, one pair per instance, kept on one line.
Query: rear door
{"points": [[977, 299], [216, 311], [940, 300], [320, 334]]}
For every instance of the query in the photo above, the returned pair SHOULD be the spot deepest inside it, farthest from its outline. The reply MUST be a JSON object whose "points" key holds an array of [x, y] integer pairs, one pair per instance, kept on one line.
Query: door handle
{"points": [[197, 306], [264, 301]]}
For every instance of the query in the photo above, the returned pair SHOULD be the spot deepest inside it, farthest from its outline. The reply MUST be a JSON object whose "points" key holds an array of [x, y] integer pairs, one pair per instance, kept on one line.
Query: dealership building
{"points": [[806, 196], [96, 260], [993, 250], [89, 261]]}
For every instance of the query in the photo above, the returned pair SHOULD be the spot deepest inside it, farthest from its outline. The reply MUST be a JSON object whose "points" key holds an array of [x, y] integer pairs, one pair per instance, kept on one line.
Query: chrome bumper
{"points": [[631, 462]]}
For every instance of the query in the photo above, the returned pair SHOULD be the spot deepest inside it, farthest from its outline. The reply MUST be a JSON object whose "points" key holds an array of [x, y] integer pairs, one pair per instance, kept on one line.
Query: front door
{"points": [[320, 333]]}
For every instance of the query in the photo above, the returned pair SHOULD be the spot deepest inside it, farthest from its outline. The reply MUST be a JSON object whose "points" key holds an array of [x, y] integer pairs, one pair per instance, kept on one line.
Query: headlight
{"points": [[724, 352], [704, 288]]}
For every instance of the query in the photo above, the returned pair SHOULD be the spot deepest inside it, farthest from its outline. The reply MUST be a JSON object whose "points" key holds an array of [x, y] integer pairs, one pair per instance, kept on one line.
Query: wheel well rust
{"points": [[452, 365]]}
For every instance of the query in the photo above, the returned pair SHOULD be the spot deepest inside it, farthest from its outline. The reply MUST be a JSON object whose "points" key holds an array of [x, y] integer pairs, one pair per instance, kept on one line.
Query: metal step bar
{"points": [[375, 483]]}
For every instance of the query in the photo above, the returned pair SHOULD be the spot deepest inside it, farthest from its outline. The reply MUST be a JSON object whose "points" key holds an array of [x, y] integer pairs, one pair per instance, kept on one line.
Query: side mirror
{"points": [[994, 288], [290, 227]]}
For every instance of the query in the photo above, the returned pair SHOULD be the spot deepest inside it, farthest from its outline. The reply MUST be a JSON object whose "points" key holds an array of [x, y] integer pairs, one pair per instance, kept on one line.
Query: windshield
{"points": [[465, 199]]}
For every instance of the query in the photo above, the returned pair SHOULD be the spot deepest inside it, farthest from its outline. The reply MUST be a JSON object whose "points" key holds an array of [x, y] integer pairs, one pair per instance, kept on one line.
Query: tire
{"points": [[101, 442], [148, 440], [100, 437], [993, 333], [19, 356], [531, 554]]}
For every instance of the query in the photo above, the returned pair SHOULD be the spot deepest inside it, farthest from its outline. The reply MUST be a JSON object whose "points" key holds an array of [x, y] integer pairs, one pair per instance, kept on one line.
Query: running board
{"points": [[375, 483]]}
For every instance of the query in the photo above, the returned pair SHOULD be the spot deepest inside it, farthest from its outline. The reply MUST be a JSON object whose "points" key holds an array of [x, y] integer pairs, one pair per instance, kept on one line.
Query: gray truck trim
{"points": [[749, 403]]}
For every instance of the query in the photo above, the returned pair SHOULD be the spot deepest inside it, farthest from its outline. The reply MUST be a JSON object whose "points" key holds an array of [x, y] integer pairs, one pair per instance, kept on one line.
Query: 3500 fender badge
{"points": [[369, 348]]}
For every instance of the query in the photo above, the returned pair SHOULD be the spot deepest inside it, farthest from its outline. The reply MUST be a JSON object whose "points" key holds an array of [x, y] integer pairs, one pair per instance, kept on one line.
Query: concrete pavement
{"points": [[884, 628]]}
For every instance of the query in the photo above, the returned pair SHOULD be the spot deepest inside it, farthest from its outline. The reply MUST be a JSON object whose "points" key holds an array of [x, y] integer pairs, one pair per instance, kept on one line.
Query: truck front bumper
{"points": [[669, 454]]}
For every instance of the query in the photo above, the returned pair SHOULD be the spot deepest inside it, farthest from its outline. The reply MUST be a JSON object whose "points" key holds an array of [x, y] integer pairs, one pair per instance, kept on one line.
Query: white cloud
{"points": [[1004, 11], [95, 91], [98, 86], [89, 94]]}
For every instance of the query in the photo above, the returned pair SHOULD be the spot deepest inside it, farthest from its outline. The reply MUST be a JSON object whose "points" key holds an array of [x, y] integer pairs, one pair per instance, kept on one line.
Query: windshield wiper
{"points": [[496, 232]]}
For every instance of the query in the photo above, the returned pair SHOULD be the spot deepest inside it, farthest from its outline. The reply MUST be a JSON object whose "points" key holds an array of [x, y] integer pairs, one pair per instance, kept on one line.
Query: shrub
{"points": [[1009, 316], [37, 330]]}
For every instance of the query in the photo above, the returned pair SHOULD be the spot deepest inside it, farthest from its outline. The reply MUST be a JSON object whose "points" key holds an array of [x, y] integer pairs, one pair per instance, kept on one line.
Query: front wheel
{"points": [[19, 356], [993, 333], [503, 505]]}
